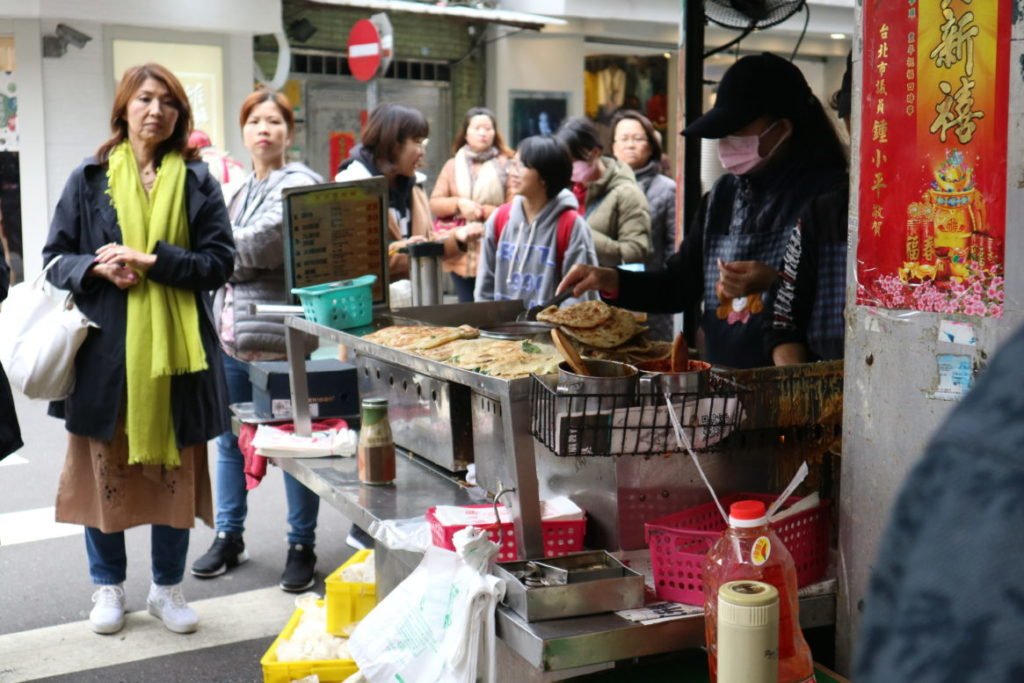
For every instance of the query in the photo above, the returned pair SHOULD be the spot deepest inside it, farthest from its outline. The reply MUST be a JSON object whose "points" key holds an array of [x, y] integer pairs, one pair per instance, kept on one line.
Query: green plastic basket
{"points": [[341, 305]]}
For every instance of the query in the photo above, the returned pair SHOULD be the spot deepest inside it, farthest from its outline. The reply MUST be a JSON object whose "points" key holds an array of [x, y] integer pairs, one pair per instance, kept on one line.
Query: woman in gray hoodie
{"points": [[256, 211], [529, 243]]}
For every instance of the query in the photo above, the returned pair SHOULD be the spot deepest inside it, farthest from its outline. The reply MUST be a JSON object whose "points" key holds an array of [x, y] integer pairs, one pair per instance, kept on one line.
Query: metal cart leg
{"points": [[297, 380]]}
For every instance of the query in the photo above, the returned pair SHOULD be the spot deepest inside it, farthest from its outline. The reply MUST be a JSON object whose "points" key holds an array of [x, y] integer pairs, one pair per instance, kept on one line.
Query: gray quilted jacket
{"points": [[257, 225], [661, 198]]}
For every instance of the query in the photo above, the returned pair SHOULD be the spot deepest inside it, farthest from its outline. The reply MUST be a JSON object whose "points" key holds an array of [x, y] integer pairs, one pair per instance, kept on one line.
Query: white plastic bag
{"points": [[42, 330], [433, 626]]}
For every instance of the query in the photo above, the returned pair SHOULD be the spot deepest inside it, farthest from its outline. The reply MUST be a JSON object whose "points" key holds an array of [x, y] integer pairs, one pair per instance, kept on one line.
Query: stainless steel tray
{"points": [[595, 582]]}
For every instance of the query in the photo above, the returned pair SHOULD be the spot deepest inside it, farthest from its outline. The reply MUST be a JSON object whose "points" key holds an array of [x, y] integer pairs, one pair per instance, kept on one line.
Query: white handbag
{"points": [[40, 332]]}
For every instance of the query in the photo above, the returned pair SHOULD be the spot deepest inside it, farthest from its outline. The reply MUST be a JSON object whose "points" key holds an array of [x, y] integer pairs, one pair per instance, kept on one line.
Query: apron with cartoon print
{"points": [[733, 328]]}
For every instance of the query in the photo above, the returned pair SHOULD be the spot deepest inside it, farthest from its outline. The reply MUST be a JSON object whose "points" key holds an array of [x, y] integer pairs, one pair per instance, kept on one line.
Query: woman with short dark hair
{"points": [[392, 145], [530, 242], [609, 197], [471, 186], [142, 235]]}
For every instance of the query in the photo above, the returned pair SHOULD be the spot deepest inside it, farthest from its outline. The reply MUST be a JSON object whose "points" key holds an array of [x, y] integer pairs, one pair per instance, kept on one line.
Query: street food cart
{"points": [[445, 417], [616, 457]]}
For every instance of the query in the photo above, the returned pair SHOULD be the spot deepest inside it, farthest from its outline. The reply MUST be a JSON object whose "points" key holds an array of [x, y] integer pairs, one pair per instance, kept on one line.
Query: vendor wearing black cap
{"points": [[781, 151]]}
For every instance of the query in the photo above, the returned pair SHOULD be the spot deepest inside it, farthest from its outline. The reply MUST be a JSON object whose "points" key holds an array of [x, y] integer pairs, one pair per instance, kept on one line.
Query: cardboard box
{"points": [[333, 389]]}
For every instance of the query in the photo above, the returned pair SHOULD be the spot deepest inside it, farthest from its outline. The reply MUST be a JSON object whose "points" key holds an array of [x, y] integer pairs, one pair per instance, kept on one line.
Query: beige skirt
{"points": [[98, 488]]}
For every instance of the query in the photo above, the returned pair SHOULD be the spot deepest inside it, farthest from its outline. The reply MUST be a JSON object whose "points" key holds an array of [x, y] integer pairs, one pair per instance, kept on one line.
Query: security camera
{"points": [[72, 36]]}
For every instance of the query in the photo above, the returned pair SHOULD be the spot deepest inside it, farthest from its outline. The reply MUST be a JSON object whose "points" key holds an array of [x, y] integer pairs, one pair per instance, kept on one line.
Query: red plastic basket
{"points": [[679, 542], [560, 538]]}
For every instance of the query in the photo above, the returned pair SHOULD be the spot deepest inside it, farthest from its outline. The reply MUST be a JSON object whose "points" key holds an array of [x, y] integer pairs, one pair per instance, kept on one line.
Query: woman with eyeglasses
{"points": [[610, 199], [635, 143], [471, 186], [392, 145], [532, 241]]}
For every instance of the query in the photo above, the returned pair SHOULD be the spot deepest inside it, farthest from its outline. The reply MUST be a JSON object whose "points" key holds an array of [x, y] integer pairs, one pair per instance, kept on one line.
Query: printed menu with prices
{"points": [[336, 232]]}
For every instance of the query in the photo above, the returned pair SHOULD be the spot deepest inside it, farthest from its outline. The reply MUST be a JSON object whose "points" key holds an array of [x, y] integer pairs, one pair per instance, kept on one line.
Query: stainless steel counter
{"points": [[548, 646]]}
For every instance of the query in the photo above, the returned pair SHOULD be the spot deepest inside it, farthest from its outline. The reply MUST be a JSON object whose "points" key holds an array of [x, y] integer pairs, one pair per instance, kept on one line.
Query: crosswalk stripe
{"points": [[13, 460], [25, 526], [70, 648]]}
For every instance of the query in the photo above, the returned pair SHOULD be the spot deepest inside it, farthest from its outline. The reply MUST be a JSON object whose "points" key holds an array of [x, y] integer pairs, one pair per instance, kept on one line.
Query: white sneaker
{"points": [[108, 615], [168, 604]]}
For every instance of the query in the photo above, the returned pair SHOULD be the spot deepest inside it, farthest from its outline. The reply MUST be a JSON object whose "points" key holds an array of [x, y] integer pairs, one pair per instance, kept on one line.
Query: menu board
{"points": [[337, 231]]}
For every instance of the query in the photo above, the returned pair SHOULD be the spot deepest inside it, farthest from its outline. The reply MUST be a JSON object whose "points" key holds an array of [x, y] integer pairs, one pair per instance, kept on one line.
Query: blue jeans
{"points": [[464, 287], [303, 504], [108, 562]]}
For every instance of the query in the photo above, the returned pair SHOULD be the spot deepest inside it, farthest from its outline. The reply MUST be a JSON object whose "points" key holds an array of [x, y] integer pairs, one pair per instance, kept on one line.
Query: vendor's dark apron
{"points": [[733, 330]]}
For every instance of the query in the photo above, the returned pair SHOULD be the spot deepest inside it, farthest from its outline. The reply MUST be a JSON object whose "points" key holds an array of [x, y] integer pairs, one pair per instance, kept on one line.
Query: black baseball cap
{"points": [[755, 86]]}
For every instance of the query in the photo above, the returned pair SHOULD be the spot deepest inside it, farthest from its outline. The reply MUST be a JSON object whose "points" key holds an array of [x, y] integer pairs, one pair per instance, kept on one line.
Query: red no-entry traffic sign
{"points": [[364, 50]]}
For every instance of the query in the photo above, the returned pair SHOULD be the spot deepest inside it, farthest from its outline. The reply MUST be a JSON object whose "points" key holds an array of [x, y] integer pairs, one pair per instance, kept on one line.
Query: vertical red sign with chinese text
{"points": [[933, 155]]}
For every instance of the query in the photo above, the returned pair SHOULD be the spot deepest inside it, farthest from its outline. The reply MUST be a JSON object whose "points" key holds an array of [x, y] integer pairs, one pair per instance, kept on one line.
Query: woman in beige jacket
{"points": [[471, 186]]}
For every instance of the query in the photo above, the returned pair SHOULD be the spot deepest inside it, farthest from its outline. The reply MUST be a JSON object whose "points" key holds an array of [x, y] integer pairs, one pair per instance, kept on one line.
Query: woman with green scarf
{"points": [[143, 237]]}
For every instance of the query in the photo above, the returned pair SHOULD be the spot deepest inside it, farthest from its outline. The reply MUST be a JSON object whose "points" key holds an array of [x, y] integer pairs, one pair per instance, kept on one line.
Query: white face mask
{"points": [[740, 154]]}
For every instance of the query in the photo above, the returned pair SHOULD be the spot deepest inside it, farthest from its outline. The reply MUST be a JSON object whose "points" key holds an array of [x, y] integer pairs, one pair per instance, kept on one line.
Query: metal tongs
{"points": [[538, 574], [531, 314]]}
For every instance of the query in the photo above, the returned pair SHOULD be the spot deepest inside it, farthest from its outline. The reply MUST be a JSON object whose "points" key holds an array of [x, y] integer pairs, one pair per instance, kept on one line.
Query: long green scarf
{"points": [[162, 337]]}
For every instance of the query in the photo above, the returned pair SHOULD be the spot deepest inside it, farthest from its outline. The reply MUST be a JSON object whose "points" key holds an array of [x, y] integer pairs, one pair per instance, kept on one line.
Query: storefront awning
{"points": [[493, 16]]}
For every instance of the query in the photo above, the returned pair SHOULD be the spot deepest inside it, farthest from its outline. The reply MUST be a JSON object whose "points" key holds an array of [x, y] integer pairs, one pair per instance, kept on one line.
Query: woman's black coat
{"points": [[10, 432], [84, 221]]}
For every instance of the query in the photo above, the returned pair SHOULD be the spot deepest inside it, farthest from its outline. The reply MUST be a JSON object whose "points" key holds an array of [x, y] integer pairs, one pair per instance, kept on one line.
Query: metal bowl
{"points": [[517, 330]]}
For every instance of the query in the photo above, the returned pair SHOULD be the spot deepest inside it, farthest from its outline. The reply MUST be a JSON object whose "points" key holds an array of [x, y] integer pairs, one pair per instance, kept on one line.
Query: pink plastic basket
{"points": [[679, 542], [560, 538]]}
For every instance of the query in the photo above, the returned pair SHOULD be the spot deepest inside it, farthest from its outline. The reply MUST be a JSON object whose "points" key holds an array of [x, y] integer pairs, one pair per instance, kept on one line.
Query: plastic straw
{"points": [[684, 443], [798, 479]]}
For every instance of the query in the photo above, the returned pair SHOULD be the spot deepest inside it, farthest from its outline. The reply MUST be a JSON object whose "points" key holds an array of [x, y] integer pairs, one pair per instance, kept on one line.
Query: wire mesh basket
{"points": [[596, 425]]}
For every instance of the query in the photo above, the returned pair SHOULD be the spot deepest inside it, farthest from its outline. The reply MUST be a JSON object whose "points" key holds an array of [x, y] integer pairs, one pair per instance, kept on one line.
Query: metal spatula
{"points": [[531, 314]]}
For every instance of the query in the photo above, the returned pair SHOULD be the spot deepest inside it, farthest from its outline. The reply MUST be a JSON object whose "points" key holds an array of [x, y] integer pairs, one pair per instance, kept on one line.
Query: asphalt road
{"points": [[45, 589]]}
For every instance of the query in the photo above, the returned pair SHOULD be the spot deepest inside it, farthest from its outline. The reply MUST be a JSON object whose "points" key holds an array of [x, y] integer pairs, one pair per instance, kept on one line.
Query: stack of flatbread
{"points": [[603, 331], [420, 337], [462, 347]]}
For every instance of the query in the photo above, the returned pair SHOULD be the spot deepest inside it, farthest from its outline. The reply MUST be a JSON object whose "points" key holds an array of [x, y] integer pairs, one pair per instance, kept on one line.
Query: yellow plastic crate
{"points": [[329, 670], [348, 602]]}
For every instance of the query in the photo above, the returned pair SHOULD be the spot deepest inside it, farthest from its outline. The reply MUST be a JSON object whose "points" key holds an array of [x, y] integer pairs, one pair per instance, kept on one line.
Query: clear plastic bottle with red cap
{"points": [[749, 550]]}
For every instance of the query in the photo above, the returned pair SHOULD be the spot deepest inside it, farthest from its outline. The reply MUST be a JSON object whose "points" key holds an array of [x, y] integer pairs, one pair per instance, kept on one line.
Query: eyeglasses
{"points": [[516, 166], [637, 140]]}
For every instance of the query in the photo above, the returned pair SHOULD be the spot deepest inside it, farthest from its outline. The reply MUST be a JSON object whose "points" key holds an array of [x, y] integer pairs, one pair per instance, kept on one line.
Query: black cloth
{"points": [[765, 202], [10, 431], [945, 601], [810, 293], [84, 221], [399, 189]]}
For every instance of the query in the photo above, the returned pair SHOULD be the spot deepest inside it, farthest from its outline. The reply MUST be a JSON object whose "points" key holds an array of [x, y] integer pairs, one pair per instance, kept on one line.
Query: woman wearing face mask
{"points": [[471, 186], [531, 242], [781, 152], [610, 199], [256, 211], [635, 143]]}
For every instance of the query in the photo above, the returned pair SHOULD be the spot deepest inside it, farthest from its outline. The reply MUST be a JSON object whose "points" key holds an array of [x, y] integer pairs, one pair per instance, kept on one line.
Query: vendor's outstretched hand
{"points": [[742, 278], [584, 279]]}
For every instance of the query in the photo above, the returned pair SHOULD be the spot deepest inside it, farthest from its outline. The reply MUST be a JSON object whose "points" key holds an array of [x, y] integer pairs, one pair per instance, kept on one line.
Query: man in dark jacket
{"points": [[10, 432], [945, 601]]}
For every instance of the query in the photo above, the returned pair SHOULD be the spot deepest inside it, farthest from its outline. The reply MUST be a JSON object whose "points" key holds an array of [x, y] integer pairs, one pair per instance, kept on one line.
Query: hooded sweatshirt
{"points": [[523, 264], [616, 210], [257, 224]]}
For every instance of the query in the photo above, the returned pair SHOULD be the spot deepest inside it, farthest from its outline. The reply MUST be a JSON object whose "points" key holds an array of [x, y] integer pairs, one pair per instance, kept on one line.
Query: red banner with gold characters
{"points": [[933, 155]]}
